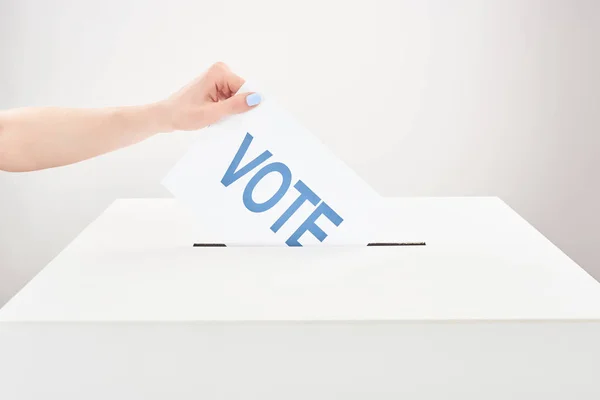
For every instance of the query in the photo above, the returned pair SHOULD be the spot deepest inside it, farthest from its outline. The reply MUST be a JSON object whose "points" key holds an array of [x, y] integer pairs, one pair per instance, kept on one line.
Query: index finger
{"points": [[233, 82]]}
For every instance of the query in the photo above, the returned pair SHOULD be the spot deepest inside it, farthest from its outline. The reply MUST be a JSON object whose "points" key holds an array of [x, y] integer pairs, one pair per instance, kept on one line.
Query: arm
{"points": [[39, 138]]}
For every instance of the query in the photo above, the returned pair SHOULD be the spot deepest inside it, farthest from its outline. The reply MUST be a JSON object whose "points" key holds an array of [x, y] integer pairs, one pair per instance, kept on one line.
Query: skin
{"points": [[38, 138]]}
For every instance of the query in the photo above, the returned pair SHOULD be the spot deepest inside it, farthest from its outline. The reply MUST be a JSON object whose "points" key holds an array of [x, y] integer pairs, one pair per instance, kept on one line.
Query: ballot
{"points": [[260, 178]]}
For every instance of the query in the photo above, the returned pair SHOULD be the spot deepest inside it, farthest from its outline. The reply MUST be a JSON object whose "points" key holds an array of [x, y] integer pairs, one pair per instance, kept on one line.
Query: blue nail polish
{"points": [[253, 99]]}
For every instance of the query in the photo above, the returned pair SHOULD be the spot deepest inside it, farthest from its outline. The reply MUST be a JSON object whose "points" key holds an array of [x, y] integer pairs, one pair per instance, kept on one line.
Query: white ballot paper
{"points": [[259, 178]]}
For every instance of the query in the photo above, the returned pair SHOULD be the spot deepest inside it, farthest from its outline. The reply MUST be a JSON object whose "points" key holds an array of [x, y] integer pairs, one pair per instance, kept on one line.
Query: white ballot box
{"points": [[487, 309]]}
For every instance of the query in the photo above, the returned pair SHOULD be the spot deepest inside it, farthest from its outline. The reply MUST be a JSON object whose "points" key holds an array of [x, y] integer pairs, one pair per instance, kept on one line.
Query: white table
{"points": [[489, 308]]}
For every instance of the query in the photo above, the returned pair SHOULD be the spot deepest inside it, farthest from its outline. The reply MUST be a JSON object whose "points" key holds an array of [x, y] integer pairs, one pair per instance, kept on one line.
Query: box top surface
{"points": [[482, 262]]}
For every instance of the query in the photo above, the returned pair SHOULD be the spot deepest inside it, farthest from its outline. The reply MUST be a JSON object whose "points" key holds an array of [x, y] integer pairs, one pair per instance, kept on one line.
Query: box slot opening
{"points": [[374, 244]]}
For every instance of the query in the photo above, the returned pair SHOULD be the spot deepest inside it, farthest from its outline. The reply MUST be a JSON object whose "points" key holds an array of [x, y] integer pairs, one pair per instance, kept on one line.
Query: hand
{"points": [[46, 137], [207, 99]]}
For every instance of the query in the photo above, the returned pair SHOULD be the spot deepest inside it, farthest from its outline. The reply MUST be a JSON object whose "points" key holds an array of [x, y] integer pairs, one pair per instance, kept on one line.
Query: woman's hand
{"points": [[38, 138], [208, 98]]}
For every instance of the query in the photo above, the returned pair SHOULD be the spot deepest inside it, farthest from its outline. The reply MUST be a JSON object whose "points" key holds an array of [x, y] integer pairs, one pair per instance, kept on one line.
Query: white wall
{"points": [[435, 98]]}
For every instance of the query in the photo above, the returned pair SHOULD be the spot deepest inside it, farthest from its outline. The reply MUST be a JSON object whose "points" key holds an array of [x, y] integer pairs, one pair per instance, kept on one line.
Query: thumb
{"points": [[237, 104]]}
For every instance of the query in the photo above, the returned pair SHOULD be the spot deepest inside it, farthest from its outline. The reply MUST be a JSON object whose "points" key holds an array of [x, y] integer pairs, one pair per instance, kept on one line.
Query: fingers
{"points": [[234, 82], [227, 82], [223, 86], [236, 104]]}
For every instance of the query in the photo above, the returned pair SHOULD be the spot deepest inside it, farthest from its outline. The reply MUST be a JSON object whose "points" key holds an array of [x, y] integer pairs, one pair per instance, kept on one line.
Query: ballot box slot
{"points": [[374, 244], [384, 244]]}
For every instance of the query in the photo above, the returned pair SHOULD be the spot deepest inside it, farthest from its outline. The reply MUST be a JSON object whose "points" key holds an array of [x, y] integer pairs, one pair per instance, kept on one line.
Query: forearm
{"points": [[39, 138]]}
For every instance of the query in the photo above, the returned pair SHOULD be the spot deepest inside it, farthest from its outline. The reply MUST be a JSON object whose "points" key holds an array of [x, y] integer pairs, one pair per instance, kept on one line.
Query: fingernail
{"points": [[253, 99]]}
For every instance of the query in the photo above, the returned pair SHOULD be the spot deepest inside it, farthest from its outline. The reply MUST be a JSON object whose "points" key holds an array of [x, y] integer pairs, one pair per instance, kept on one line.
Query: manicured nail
{"points": [[253, 99]]}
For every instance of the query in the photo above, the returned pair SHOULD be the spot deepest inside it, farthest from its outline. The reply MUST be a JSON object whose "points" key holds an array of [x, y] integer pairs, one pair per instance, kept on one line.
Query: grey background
{"points": [[421, 98]]}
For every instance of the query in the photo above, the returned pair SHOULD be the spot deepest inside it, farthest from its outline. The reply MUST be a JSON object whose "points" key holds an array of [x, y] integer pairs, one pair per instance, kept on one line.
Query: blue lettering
{"points": [[286, 176], [305, 194], [311, 226], [234, 172], [231, 175]]}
